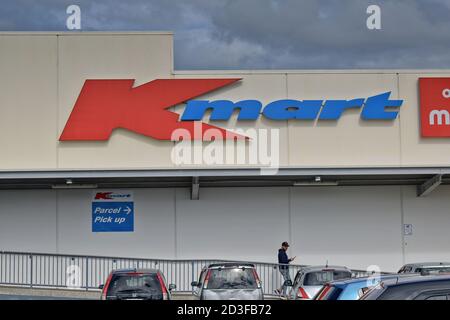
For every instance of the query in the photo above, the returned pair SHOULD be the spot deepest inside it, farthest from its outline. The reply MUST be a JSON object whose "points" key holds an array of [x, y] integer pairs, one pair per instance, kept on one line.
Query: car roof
{"points": [[230, 265], [383, 277], [320, 268], [430, 282], [418, 278], [360, 279], [427, 264], [136, 270]]}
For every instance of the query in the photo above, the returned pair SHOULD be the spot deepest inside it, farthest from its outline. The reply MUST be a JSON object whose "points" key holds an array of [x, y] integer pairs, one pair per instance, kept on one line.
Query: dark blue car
{"points": [[417, 287]]}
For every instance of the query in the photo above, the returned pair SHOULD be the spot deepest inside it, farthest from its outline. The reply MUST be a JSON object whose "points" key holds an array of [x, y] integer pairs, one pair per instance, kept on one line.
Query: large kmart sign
{"points": [[105, 105]]}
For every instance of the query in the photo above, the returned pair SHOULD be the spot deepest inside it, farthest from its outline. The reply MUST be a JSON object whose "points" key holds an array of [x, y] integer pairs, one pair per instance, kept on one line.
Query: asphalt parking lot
{"points": [[21, 293], [18, 293]]}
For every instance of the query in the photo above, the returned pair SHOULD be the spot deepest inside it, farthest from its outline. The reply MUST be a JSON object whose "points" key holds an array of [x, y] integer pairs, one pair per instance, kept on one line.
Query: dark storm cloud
{"points": [[240, 34]]}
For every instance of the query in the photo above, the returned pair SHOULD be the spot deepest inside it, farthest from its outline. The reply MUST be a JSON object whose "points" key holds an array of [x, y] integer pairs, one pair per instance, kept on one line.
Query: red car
{"points": [[136, 284]]}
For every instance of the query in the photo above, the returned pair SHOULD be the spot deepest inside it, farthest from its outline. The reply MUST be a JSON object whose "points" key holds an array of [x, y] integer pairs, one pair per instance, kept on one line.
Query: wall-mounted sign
{"points": [[112, 211], [104, 105], [435, 107], [407, 229]]}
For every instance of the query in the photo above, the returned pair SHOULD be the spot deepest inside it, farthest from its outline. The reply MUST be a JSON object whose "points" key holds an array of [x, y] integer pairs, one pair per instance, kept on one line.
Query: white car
{"points": [[426, 268], [310, 280], [228, 281]]}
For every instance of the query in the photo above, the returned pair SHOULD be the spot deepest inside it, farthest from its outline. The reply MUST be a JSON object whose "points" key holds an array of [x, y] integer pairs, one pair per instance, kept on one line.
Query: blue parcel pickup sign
{"points": [[113, 212]]}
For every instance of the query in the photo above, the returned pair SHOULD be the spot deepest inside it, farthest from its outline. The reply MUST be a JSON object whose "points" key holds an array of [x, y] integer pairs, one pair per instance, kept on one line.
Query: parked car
{"points": [[136, 284], [431, 287], [426, 267], [228, 281], [309, 280], [352, 289]]}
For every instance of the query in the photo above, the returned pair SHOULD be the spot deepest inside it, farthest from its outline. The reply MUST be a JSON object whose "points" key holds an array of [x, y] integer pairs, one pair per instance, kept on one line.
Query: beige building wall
{"points": [[415, 150], [28, 102], [348, 141], [143, 57], [41, 75]]}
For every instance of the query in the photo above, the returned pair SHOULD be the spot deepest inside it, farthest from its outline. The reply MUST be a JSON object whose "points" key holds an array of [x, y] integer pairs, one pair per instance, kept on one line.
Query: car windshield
{"points": [[232, 278], [134, 283], [319, 278]]}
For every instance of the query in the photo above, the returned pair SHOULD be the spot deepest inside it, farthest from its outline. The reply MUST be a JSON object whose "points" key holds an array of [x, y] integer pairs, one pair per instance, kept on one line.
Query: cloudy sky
{"points": [[263, 34]]}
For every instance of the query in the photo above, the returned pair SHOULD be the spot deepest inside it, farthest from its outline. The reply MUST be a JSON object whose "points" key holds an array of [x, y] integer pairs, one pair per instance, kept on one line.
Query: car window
{"points": [[126, 283], [232, 278], [433, 295], [405, 269], [328, 293], [353, 290], [408, 291], [435, 270], [319, 278]]}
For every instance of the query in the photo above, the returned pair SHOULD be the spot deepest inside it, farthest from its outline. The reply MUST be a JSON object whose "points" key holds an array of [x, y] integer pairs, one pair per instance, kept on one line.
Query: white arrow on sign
{"points": [[127, 210]]}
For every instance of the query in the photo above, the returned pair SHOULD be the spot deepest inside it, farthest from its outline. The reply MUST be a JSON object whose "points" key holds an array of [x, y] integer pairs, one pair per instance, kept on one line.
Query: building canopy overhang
{"points": [[425, 178]]}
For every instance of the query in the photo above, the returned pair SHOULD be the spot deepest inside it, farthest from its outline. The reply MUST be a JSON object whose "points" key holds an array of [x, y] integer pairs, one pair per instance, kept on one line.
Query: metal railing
{"points": [[88, 272]]}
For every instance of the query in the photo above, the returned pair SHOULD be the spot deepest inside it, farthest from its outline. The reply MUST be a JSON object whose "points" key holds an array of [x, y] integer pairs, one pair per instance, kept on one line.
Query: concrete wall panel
{"points": [[430, 219], [153, 235], [353, 226], [232, 223], [28, 221]]}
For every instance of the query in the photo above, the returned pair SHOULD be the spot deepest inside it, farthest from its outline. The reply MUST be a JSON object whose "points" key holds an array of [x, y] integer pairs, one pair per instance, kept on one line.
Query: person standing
{"points": [[283, 261]]}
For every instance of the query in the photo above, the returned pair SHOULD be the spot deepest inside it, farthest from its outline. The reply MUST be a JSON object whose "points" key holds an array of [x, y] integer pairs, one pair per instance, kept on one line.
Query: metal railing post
{"points": [[87, 274], [31, 270], [193, 275]]}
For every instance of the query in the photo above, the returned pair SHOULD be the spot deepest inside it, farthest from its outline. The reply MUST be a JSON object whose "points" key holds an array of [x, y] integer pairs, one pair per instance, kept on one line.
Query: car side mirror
{"points": [[194, 284], [172, 287], [101, 286], [288, 283]]}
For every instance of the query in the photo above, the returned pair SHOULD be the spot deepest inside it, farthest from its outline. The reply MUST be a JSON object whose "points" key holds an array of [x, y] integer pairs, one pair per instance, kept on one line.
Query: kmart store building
{"points": [[89, 164]]}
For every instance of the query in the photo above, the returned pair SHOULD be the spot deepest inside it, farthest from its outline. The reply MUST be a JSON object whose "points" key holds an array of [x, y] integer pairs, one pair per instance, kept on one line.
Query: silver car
{"points": [[310, 280], [426, 268], [228, 281]]}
